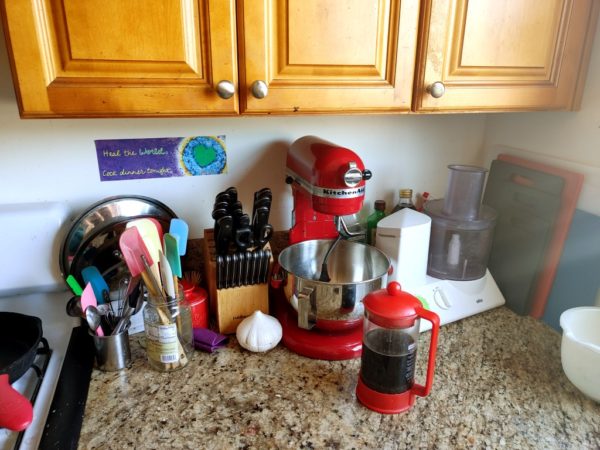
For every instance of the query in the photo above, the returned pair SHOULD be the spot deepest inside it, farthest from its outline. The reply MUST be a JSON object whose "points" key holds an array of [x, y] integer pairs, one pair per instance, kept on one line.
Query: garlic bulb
{"points": [[259, 332]]}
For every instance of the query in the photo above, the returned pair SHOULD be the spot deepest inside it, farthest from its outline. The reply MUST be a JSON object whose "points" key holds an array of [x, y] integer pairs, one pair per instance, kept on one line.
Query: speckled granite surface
{"points": [[498, 384]]}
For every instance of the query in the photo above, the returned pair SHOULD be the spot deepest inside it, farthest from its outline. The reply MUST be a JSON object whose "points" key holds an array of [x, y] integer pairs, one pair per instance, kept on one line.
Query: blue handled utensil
{"points": [[92, 275], [179, 228]]}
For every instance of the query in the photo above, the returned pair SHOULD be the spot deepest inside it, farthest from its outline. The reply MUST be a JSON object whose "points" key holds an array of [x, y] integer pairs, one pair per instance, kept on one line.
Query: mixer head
{"points": [[327, 181], [333, 176]]}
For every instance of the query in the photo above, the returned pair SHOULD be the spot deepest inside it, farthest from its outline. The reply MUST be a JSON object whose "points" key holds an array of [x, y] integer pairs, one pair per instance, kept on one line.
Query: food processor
{"points": [[441, 255]]}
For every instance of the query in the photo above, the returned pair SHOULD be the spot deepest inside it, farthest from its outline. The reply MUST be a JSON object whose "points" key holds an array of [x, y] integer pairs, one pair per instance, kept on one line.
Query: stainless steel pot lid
{"points": [[93, 237]]}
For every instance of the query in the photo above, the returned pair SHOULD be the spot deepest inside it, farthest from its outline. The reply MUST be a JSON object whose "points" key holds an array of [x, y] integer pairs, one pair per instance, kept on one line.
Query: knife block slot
{"points": [[228, 307]]}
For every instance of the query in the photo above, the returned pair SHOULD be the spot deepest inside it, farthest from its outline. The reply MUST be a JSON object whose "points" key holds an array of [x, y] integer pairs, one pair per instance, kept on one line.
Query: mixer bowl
{"points": [[355, 270]]}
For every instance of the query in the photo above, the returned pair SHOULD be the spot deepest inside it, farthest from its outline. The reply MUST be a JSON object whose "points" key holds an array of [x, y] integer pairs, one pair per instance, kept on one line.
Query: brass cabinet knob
{"points": [[225, 89], [259, 89], [437, 89]]}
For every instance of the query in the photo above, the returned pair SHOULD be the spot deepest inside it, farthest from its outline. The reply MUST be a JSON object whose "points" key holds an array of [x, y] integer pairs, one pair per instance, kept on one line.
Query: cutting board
{"points": [[577, 281], [573, 183], [528, 203]]}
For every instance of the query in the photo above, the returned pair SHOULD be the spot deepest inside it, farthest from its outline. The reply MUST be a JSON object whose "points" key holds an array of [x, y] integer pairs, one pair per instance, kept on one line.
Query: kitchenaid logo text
{"points": [[342, 192], [339, 193]]}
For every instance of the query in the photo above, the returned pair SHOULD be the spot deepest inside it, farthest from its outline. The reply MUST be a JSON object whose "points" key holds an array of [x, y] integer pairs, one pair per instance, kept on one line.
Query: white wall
{"points": [[45, 159], [566, 139]]}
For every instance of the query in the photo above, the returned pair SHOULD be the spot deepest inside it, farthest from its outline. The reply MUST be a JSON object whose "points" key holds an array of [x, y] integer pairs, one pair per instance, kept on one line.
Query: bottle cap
{"points": [[380, 205], [406, 193]]}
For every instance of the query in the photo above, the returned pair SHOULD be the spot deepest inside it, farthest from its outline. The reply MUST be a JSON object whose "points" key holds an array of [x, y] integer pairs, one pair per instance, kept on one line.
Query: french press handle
{"points": [[423, 391]]}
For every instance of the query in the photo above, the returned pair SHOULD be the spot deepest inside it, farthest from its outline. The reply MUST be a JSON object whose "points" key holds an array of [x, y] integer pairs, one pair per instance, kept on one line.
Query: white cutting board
{"points": [[31, 236]]}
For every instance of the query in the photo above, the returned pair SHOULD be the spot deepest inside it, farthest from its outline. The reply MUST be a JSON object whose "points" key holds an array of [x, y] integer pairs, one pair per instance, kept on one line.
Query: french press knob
{"points": [[390, 336]]}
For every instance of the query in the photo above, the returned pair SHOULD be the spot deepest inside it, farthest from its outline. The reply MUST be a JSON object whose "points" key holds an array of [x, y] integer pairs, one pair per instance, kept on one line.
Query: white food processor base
{"points": [[455, 300]]}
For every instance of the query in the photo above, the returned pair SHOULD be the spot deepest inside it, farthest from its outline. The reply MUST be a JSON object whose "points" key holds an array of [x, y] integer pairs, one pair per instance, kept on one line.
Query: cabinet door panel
{"points": [[503, 54], [110, 57], [328, 55]]}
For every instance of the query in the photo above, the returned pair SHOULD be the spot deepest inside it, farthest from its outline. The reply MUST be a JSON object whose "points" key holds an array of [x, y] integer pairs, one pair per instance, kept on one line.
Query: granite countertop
{"points": [[498, 383]]}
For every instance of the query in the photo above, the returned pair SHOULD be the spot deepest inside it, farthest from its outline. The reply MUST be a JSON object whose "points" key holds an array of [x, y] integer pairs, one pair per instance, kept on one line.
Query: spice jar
{"points": [[169, 336]]}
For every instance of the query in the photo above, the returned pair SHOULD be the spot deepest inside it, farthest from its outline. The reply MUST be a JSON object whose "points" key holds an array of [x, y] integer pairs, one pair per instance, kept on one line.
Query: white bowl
{"points": [[580, 349]]}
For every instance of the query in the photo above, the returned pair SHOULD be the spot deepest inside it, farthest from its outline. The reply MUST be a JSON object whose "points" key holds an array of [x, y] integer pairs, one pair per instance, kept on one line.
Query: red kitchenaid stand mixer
{"points": [[328, 181]]}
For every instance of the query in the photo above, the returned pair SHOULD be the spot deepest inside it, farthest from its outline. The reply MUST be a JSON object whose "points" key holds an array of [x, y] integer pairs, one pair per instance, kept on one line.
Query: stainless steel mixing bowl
{"points": [[355, 270]]}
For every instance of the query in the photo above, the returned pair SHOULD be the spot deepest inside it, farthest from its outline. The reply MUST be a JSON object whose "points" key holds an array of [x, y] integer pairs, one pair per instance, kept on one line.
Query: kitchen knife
{"points": [[236, 269], [216, 215], [233, 194], [228, 267], [221, 205], [259, 261], [223, 197], [247, 267], [243, 236], [261, 229], [263, 193], [224, 234], [261, 200], [254, 267], [220, 269], [265, 266]]}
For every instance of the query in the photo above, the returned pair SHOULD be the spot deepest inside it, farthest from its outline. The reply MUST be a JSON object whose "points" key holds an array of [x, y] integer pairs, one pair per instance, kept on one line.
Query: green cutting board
{"points": [[527, 202]]}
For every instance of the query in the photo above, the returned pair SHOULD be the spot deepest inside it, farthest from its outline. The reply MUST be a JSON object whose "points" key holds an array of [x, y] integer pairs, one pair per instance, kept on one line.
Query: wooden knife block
{"points": [[230, 306]]}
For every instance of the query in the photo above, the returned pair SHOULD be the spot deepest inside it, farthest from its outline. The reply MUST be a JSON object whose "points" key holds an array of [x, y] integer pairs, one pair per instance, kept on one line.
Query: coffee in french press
{"points": [[391, 330]]}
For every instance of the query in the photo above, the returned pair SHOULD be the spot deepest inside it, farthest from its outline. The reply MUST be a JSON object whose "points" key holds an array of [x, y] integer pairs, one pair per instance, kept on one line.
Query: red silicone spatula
{"points": [[152, 240], [16, 412], [132, 247], [134, 251]]}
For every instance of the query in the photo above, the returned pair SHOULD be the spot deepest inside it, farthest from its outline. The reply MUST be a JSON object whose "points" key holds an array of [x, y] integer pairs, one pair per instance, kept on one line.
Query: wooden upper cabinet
{"points": [[111, 58], [327, 55], [503, 54], [121, 58]]}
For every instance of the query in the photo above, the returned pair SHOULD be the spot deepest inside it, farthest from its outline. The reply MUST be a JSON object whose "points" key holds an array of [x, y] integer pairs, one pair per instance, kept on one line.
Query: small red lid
{"points": [[392, 307], [193, 293]]}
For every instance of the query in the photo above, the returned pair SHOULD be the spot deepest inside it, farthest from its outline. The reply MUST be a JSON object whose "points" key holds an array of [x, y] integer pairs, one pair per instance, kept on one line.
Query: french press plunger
{"points": [[391, 330]]}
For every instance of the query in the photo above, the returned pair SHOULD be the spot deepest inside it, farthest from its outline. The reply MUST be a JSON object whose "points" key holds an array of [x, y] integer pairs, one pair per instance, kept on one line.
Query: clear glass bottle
{"points": [[373, 219], [169, 334], [405, 200]]}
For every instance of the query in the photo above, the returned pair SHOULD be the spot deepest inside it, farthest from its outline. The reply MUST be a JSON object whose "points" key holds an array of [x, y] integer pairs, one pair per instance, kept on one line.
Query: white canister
{"points": [[404, 237]]}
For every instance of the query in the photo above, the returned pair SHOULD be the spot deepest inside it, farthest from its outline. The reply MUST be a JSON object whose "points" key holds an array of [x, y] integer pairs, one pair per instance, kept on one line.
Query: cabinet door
{"points": [[503, 54], [121, 58], [327, 55]]}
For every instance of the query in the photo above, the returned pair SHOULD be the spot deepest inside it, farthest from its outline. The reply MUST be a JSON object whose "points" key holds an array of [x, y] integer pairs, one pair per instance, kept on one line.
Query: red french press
{"points": [[390, 335]]}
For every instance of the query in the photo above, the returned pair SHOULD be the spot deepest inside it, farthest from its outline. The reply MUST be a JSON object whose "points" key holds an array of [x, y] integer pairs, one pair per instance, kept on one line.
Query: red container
{"points": [[197, 299]]}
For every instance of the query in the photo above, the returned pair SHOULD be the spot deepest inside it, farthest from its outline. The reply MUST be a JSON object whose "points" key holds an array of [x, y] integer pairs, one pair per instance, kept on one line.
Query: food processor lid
{"points": [[392, 307], [486, 218]]}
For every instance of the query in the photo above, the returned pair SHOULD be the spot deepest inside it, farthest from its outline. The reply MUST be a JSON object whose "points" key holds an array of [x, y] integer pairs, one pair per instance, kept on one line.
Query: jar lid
{"points": [[193, 293], [392, 307]]}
